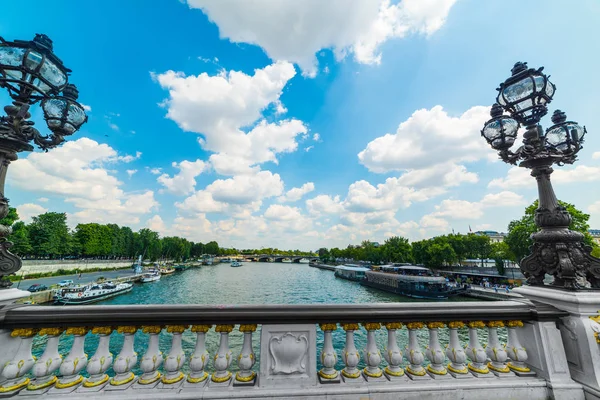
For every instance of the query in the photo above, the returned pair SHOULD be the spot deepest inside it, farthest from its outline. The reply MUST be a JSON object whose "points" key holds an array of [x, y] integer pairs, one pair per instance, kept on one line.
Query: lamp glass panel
{"points": [[524, 104], [557, 138], [53, 74], [68, 128], [549, 89], [76, 115], [14, 74], [33, 60], [54, 108], [539, 82], [11, 56], [519, 90], [575, 131]]}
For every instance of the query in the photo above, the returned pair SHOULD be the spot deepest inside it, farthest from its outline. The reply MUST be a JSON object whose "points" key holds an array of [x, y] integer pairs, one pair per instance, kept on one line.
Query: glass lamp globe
{"points": [[526, 93], [564, 137], [63, 114], [30, 70], [500, 131]]}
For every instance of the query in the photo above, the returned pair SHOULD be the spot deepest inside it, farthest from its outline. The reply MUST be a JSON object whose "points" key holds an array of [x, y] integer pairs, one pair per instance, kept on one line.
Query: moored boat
{"points": [[167, 270], [351, 272], [90, 293], [304, 261], [411, 281], [236, 264], [151, 276], [286, 260]]}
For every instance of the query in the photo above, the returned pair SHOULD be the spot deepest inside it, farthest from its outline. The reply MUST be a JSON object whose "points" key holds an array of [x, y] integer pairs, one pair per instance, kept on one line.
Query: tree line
{"points": [[453, 249], [48, 236]]}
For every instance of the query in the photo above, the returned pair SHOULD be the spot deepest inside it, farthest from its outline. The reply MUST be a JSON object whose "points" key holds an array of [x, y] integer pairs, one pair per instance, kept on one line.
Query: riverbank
{"points": [[34, 268]]}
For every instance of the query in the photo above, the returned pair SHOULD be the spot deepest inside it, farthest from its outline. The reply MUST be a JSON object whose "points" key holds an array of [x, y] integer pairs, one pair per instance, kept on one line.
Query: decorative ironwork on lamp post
{"points": [[31, 72], [556, 249]]}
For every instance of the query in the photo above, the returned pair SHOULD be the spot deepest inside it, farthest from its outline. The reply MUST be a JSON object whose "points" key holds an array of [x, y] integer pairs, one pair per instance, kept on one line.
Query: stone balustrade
{"points": [[479, 350]]}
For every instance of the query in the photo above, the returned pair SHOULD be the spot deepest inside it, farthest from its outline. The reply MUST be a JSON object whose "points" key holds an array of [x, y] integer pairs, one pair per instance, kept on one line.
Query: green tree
{"points": [[518, 238], [440, 254], [211, 248], [10, 218], [397, 249], [20, 238], [49, 235]]}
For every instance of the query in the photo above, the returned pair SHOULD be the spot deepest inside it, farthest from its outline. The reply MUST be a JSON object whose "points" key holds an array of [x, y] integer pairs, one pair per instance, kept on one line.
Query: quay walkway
{"points": [[551, 350]]}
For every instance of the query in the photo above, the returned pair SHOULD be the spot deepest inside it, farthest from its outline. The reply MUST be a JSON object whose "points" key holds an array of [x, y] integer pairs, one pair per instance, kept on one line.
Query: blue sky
{"points": [[300, 124]]}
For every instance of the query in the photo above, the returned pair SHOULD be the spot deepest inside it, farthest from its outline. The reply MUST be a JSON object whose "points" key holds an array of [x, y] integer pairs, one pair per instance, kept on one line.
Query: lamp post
{"points": [[556, 249], [31, 73]]}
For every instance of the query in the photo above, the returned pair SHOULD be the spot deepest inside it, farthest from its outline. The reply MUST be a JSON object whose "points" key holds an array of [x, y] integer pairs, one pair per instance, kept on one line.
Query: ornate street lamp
{"points": [[556, 249], [31, 72]]}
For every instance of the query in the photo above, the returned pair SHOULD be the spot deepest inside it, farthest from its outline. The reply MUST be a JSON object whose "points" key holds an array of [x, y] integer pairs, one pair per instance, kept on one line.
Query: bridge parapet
{"points": [[275, 351]]}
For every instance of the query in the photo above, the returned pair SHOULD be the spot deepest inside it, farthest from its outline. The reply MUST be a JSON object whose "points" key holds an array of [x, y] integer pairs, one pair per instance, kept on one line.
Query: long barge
{"points": [[410, 281]]}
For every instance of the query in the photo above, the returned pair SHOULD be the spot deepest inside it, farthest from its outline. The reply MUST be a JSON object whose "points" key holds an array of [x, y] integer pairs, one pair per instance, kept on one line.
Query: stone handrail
{"points": [[288, 350]]}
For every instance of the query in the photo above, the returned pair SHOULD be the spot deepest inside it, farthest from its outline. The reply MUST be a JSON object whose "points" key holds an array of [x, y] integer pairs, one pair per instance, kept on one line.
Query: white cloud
{"points": [[296, 194], [43, 199], [184, 181], [113, 126], [75, 171], [155, 171], [157, 224], [444, 175], [324, 204], [521, 177], [309, 148], [131, 172], [594, 208], [86, 107], [240, 195], [220, 106], [127, 158], [277, 212], [429, 137], [596, 155], [28, 210], [316, 137], [297, 30]]}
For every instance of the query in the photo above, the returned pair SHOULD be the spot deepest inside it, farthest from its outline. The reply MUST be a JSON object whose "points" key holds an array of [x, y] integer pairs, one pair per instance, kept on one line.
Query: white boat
{"points": [[236, 264], [151, 276], [304, 261], [90, 293], [286, 260]]}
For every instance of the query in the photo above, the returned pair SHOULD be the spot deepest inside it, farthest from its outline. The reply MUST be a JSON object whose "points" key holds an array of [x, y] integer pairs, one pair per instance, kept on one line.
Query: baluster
{"points": [[413, 353], [48, 363], [152, 358], [101, 360], [434, 352], [328, 373], [476, 353], [246, 359], [176, 357], [199, 359], [372, 353], [455, 352], [516, 352], [14, 371], [222, 359], [393, 354], [350, 354], [125, 361], [496, 352], [75, 361]]}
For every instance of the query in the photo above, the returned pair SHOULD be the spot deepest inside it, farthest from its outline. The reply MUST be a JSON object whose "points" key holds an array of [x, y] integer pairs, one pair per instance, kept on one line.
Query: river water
{"points": [[253, 283]]}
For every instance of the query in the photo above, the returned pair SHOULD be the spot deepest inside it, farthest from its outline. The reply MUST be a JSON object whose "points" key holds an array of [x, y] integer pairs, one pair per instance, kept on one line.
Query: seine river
{"points": [[253, 283]]}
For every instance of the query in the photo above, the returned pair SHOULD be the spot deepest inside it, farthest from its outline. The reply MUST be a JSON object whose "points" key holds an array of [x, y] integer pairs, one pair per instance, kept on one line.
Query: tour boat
{"points": [[411, 281], [351, 272], [167, 270], [90, 293], [304, 261], [286, 260], [151, 276], [236, 264]]}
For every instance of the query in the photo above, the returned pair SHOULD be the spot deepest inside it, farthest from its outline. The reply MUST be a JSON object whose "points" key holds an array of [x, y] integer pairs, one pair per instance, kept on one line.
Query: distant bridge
{"points": [[277, 258]]}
